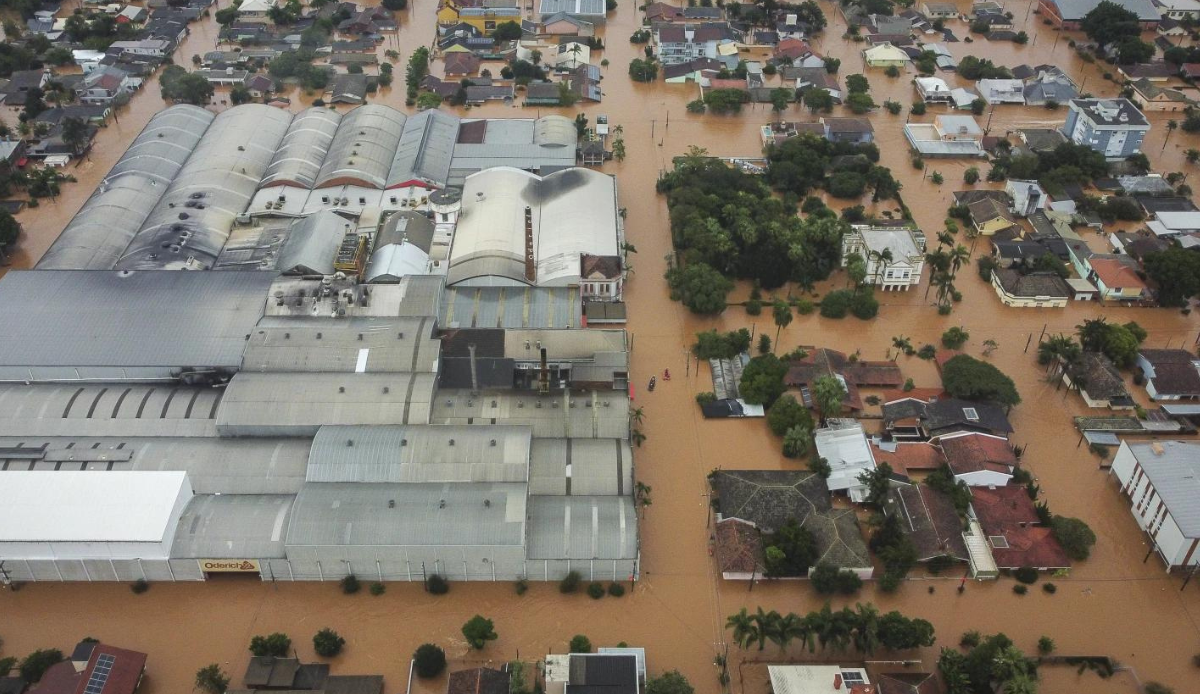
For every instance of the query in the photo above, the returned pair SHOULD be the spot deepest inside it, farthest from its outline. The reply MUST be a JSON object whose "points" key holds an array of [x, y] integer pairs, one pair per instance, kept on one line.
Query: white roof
{"points": [[932, 84], [885, 51], [256, 5], [845, 446], [813, 679], [1180, 221], [68, 506], [899, 241], [1174, 469]]}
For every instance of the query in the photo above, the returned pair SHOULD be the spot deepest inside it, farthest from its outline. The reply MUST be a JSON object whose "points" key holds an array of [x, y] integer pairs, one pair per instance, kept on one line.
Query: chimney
{"points": [[474, 373]]}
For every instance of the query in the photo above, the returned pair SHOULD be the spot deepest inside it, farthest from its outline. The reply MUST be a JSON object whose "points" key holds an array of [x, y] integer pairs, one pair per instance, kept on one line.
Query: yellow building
{"points": [[484, 15]]}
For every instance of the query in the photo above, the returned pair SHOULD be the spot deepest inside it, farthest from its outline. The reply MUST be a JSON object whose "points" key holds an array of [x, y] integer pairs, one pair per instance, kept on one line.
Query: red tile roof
{"points": [[910, 457], [124, 674], [1030, 546], [61, 678], [944, 355], [1001, 507], [1115, 274], [738, 547], [978, 452], [792, 48], [727, 84], [922, 394]]}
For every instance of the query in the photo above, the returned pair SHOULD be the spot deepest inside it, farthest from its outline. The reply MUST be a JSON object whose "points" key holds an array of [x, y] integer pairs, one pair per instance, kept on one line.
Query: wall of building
{"points": [[1149, 512]]}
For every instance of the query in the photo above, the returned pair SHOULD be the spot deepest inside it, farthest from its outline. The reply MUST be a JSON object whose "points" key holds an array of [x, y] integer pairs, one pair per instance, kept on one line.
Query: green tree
{"points": [[240, 95], [699, 287], [968, 378], [722, 101], [1074, 535], [860, 103], [857, 84], [1109, 23], [418, 68], [818, 100], [797, 441], [877, 481], [856, 270], [781, 312], [10, 229], [780, 98], [643, 70], [34, 665], [429, 660], [762, 380], [744, 630], [181, 86], [328, 643], [669, 683], [787, 413], [478, 631], [955, 337], [829, 395], [276, 644], [971, 176], [211, 679], [506, 31], [1176, 271], [580, 644]]}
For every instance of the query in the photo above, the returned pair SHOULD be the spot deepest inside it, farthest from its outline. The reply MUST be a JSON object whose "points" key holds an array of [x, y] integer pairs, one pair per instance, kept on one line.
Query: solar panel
{"points": [[99, 678], [971, 414]]}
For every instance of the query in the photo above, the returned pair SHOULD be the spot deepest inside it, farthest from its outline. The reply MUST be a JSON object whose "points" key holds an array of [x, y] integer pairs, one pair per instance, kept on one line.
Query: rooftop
{"points": [[1110, 111], [973, 452], [929, 519], [1174, 469], [1001, 507], [1032, 285]]}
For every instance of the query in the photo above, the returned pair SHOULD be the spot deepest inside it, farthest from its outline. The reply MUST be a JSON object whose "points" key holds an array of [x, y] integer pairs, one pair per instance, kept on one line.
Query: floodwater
{"points": [[1114, 604]]}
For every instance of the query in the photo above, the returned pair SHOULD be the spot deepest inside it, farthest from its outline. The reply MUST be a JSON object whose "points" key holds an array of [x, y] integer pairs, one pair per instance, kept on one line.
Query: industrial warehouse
{"points": [[360, 378]]}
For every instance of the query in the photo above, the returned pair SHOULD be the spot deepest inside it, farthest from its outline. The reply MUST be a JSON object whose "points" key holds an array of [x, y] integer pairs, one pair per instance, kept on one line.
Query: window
{"points": [[998, 541], [971, 414]]}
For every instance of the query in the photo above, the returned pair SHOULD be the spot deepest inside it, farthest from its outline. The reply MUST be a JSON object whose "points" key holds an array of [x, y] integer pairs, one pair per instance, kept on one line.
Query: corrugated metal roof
{"points": [[312, 244], [83, 318], [350, 345], [342, 514], [1174, 469], [300, 155], [580, 467], [190, 224], [582, 527], [418, 454], [594, 415], [425, 149], [363, 148], [511, 307], [562, 344], [233, 526]]}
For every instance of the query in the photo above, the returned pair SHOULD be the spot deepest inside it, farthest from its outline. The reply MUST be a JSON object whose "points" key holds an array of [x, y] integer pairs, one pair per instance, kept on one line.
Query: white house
{"points": [[1001, 91], [1178, 9], [255, 9], [1162, 481], [905, 246], [843, 444], [1027, 197], [933, 90], [818, 679], [1171, 374]]}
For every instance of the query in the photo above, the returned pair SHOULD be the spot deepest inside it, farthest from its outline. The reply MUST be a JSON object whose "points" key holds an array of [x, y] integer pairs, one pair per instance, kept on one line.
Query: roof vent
{"points": [[451, 442], [391, 503], [403, 442], [441, 503], [487, 503], [341, 389], [493, 442], [349, 443]]}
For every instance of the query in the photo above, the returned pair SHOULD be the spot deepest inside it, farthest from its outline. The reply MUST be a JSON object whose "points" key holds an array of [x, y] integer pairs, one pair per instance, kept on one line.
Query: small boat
{"points": [[653, 380]]}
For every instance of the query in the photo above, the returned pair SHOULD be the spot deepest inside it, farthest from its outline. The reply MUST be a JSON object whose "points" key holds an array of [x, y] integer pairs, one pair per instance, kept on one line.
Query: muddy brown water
{"points": [[1113, 604]]}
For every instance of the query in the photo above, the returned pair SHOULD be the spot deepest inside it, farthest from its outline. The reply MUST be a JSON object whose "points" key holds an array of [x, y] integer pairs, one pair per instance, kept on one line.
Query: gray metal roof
{"points": [[350, 345], [290, 404], [594, 415], [424, 151], [81, 318], [1175, 474], [1074, 10], [511, 307], [581, 467], [213, 465], [298, 160], [233, 526], [312, 244], [363, 148], [345, 514], [107, 409], [190, 224], [406, 227], [416, 454], [582, 527], [98, 234], [593, 8]]}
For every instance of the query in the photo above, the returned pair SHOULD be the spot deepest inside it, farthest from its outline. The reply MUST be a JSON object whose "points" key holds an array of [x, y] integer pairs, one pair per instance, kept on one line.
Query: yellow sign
{"points": [[229, 565]]}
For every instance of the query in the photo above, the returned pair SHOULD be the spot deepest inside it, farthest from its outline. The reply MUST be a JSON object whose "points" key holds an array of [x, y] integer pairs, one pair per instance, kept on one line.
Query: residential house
{"points": [[894, 256], [939, 10], [1161, 479], [1174, 223], [779, 132], [848, 129], [738, 549], [680, 43], [928, 518], [843, 444], [1170, 374], [803, 373], [478, 95], [133, 15], [260, 85], [584, 82], [270, 672], [819, 679], [791, 51], [1153, 72], [594, 11], [1097, 381], [990, 216], [94, 668], [908, 458], [1068, 14], [978, 459], [695, 70], [600, 277], [103, 84], [908, 682], [885, 55], [933, 90], [912, 418], [663, 12], [569, 55], [256, 10], [1113, 127], [543, 94], [229, 77], [151, 48], [805, 78], [948, 136], [347, 89], [1116, 278], [1001, 91], [563, 24], [1150, 97], [483, 15], [19, 84], [1178, 9], [478, 680], [1013, 529], [1049, 85], [1032, 290], [461, 64], [1027, 196], [770, 498]]}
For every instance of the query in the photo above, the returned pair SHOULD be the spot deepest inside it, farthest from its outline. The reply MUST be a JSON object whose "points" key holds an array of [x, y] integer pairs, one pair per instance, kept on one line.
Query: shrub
{"points": [[937, 178], [836, 304], [1045, 645], [570, 582], [1049, 588], [805, 307], [139, 586], [437, 585], [350, 585], [34, 665], [705, 398], [616, 590], [378, 588], [211, 679], [918, 163], [754, 307], [892, 71], [971, 176], [7, 664], [595, 591], [918, 108], [328, 643], [580, 644], [893, 107], [1157, 688], [478, 631], [1020, 589], [864, 305], [927, 352], [955, 338], [1026, 574], [970, 639], [521, 586], [827, 579], [889, 582], [275, 644], [429, 660], [1074, 535]]}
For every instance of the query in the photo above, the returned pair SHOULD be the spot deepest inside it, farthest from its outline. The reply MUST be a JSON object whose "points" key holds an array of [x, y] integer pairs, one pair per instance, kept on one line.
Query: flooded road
{"points": [[1113, 604]]}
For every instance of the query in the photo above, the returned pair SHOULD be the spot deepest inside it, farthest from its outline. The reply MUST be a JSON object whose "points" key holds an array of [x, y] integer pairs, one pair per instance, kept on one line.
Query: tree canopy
{"points": [[478, 631], [671, 682], [1119, 343], [1176, 271], [968, 378], [762, 380], [1109, 23], [699, 287], [1074, 535], [182, 86]]}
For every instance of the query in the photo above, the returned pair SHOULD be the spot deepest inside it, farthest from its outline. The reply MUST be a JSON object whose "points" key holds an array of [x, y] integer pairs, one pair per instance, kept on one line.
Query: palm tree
{"points": [[882, 259], [793, 627], [866, 632], [945, 238], [574, 50], [637, 437], [636, 415], [771, 629], [765, 624], [1171, 125], [744, 631], [782, 313], [1092, 333], [1058, 352], [958, 256]]}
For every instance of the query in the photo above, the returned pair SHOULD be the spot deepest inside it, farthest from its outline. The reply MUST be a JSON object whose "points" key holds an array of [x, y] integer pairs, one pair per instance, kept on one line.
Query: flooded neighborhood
{"points": [[1119, 605]]}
